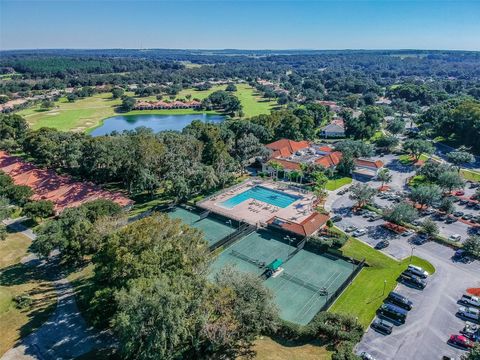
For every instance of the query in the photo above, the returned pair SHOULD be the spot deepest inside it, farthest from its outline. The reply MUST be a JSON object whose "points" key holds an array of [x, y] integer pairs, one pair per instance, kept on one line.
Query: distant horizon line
{"points": [[236, 49]]}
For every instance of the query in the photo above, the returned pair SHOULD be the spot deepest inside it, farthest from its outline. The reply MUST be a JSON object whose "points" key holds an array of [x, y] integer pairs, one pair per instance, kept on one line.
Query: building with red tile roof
{"points": [[367, 168], [291, 154], [307, 227], [63, 191], [286, 147]]}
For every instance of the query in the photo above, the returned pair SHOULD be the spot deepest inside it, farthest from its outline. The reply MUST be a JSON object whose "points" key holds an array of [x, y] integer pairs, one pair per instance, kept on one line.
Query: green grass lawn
{"points": [[335, 184], [366, 293], [253, 104], [87, 114], [470, 175], [18, 279]]}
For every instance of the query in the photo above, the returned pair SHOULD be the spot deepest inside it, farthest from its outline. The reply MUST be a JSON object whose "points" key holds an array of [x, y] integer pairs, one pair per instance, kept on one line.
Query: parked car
{"points": [[471, 204], [382, 326], [416, 222], [471, 331], [420, 239], [350, 228], [455, 237], [451, 220], [336, 218], [382, 244], [462, 256], [375, 217], [463, 202], [418, 271], [359, 232], [428, 211], [458, 214], [467, 216], [469, 313], [399, 300], [412, 280], [460, 193], [408, 233], [469, 300], [460, 341], [366, 356]]}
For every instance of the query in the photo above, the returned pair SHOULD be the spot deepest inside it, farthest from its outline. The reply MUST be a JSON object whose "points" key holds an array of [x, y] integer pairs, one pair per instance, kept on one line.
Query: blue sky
{"points": [[240, 24]]}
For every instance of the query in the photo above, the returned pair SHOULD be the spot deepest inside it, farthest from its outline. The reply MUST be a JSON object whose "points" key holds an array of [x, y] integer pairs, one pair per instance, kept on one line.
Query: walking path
{"points": [[65, 335]]}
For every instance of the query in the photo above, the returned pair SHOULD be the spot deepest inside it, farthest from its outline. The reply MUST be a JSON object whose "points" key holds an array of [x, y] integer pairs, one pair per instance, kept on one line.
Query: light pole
{"points": [[289, 242], [384, 286], [411, 254], [229, 222]]}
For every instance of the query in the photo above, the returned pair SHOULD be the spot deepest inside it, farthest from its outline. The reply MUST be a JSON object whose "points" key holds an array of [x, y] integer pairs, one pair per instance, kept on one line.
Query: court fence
{"points": [[332, 297]]}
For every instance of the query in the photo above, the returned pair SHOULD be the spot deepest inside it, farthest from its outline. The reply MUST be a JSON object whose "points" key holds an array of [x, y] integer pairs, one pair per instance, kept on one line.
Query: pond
{"points": [[155, 122]]}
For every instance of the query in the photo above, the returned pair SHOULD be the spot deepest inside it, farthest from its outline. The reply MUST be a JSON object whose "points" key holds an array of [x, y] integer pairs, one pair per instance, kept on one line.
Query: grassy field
{"points": [[252, 103], [77, 116], [86, 114], [335, 184], [268, 349], [366, 293], [18, 279]]}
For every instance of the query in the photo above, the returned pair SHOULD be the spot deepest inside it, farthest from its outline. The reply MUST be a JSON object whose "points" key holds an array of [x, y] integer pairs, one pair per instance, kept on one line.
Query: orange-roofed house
{"points": [[290, 155]]}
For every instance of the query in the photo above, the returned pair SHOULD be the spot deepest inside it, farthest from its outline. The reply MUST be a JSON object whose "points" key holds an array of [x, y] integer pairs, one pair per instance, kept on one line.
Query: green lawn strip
{"points": [[470, 175], [335, 184], [366, 293]]}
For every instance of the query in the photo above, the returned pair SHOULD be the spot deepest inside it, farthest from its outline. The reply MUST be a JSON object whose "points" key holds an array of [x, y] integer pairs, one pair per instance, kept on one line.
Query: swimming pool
{"points": [[260, 193]]}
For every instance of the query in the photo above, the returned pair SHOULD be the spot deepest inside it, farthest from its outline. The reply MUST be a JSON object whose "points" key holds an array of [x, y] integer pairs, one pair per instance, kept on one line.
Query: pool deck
{"points": [[257, 212]]}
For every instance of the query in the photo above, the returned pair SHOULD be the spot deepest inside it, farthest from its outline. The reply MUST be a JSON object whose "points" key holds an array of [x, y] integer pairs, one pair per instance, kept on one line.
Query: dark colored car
{"points": [[412, 280], [382, 326], [451, 220], [458, 214], [467, 216], [382, 244], [399, 300], [336, 218], [420, 239]]}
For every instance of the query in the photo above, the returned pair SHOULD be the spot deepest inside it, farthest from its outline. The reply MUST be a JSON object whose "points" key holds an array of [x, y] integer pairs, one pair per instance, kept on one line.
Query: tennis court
{"points": [[247, 254], [213, 228], [302, 288]]}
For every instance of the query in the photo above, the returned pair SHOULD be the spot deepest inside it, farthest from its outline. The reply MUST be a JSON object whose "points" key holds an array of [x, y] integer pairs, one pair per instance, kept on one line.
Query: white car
{"points": [[470, 300], [359, 232], [366, 356], [417, 270], [455, 237]]}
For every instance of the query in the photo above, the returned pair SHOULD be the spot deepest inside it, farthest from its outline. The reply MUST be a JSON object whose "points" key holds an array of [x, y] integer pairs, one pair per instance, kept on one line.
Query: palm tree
{"points": [[276, 167], [384, 176]]}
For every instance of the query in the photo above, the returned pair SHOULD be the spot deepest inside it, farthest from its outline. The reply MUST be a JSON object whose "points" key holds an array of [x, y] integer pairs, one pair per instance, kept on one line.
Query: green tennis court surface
{"points": [[301, 289], [213, 229], [248, 253]]}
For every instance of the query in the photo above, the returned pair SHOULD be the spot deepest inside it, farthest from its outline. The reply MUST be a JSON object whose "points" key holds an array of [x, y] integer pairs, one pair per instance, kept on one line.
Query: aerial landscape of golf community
{"points": [[201, 192]]}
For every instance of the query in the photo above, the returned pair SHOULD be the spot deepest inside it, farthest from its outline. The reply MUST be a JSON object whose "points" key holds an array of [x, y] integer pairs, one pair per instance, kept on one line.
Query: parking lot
{"points": [[432, 320]]}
